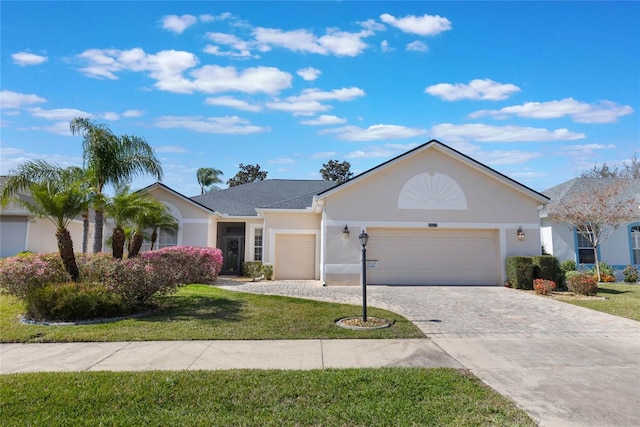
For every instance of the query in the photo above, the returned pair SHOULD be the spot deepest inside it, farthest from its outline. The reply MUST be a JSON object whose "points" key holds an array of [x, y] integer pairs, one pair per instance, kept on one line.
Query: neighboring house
{"points": [[568, 243], [434, 216], [21, 231]]}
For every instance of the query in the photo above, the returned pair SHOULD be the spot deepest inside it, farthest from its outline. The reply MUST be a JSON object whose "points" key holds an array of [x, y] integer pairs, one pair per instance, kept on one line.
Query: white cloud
{"points": [[228, 101], [282, 161], [334, 42], [323, 155], [375, 132], [211, 18], [178, 24], [344, 94], [10, 99], [228, 125], [60, 128], [324, 120], [584, 150], [242, 47], [213, 78], [309, 74], [581, 112], [298, 107], [479, 89], [426, 25], [133, 113], [110, 116], [167, 68], [25, 58], [14, 157], [170, 149], [67, 114], [384, 45], [486, 133], [417, 46], [495, 157], [387, 150]]}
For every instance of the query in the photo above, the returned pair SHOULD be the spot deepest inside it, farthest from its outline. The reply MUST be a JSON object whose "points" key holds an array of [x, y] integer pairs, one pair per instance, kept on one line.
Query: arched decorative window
{"points": [[432, 190], [634, 242]]}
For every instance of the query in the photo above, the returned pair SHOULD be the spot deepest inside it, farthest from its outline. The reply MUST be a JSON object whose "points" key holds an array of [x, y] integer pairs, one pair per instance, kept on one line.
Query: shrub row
{"points": [[521, 270], [108, 285]]}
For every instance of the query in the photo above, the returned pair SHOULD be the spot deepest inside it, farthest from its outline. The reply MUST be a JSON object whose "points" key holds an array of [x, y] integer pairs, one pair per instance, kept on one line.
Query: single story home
{"points": [[568, 243], [434, 216]]}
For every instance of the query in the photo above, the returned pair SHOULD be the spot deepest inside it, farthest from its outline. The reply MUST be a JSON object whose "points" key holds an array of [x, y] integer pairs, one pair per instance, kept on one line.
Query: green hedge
{"points": [[520, 272], [252, 269], [548, 267]]}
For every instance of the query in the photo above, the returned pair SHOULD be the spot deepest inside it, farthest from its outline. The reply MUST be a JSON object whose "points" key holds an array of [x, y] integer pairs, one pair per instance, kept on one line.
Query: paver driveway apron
{"points": [[565, 365]]}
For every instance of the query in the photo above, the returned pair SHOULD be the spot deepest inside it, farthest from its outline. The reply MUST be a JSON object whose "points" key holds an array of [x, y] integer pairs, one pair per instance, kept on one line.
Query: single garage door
{"points": [[13, 235], [432, 257], [295, 256]]}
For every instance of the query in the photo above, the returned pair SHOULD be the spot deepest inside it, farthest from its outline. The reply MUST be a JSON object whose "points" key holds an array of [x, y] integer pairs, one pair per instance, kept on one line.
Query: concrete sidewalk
{"points": [[210, 355]]}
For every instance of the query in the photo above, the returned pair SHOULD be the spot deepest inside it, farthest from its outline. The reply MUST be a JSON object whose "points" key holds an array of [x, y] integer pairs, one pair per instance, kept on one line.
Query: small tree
{"points": [[597, 212], [247, 174], [208, 178], [336, 171], [628, 170]]}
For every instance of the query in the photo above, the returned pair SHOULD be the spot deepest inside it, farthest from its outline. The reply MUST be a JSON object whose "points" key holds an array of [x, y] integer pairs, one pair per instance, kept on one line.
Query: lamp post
{"points": [[364, 238]]}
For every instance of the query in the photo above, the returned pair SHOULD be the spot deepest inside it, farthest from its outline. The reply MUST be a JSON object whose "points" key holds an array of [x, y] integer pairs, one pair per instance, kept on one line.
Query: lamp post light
{"points": [[364, 238]]}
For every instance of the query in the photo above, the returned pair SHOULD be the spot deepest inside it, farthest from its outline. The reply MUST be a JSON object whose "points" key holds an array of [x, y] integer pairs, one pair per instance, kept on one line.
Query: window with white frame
{"points": [[257, 245], [586, 255], [166, 237], [634, 236]]}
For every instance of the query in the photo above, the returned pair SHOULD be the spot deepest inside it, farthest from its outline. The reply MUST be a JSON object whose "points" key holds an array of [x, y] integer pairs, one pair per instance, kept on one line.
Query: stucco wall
{"points": [[288, 223], [489, 204], [41, 236]]}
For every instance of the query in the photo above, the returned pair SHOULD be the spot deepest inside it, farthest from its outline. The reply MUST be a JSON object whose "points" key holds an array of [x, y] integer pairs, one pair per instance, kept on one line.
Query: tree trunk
{"points": [[136, 244], [65, 247], [85, 231], [117, 242], [595, 255], [154, 237], [97, 237]]}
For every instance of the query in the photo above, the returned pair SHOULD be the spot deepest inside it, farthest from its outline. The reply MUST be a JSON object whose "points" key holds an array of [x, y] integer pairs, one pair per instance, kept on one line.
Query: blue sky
{"points": [[536, 90]]}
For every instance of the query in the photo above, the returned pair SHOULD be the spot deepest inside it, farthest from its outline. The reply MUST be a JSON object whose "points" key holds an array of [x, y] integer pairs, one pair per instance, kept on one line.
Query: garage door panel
{"points": [[437, 257], [295, 257]]}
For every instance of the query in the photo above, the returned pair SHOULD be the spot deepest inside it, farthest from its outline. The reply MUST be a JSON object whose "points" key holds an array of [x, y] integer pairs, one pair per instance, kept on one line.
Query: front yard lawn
{"points": [[620, 300], [349, 397], [201, 312]]}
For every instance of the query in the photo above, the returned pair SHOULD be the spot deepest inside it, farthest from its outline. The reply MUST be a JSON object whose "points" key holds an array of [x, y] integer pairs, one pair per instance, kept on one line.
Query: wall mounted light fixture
{"points": [[521, 235], [345, 233]]}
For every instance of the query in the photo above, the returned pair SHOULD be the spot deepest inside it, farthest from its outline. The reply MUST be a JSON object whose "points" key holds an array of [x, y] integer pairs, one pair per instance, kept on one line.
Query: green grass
{"points": [[621, 300], [200, 312], [351, 397]]}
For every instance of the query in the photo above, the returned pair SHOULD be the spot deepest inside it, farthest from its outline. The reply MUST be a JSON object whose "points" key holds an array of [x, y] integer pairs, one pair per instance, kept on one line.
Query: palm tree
{"points": [[55, 194], [208, 177], [111, 160], [154, 216], [122, 209]]}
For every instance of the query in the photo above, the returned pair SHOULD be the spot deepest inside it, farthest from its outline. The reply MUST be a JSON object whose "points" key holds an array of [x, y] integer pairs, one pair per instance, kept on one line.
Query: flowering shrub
{"points": [[543, 287], [583, 284], [95, 268], [630, 274], [20, 274], [160, 272], [189, 264]]}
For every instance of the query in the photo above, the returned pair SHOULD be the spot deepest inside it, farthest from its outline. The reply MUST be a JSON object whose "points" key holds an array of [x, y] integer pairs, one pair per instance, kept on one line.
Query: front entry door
{"points": [[232, 247]]}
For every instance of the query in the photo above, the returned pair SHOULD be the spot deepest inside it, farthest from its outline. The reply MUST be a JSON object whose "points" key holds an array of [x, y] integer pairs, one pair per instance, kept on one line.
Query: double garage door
{"points": [[295, 257], [432, 257]]}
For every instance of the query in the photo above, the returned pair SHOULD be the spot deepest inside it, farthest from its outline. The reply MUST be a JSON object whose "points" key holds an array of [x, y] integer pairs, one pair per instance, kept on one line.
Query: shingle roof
{"points": [[243, 200]]}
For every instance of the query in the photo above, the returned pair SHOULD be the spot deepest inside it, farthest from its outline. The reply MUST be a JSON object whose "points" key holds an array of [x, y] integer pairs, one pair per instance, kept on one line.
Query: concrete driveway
{"points": [[563, 364]]}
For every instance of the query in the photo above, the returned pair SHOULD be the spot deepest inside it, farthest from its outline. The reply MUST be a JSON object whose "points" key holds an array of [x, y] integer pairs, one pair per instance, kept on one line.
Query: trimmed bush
{"points": [[267, 270], [630, 274], [543, 286], [19, 275], [190, 264], [520, 272], [96, 267], [582, 284], [252, 269], [548, 267], [73, 302]]}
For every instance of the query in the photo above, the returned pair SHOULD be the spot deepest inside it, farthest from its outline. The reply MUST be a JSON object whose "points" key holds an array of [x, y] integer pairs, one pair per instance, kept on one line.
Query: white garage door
{"points": [[13, 235], [295, 256], [432, 257]]}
